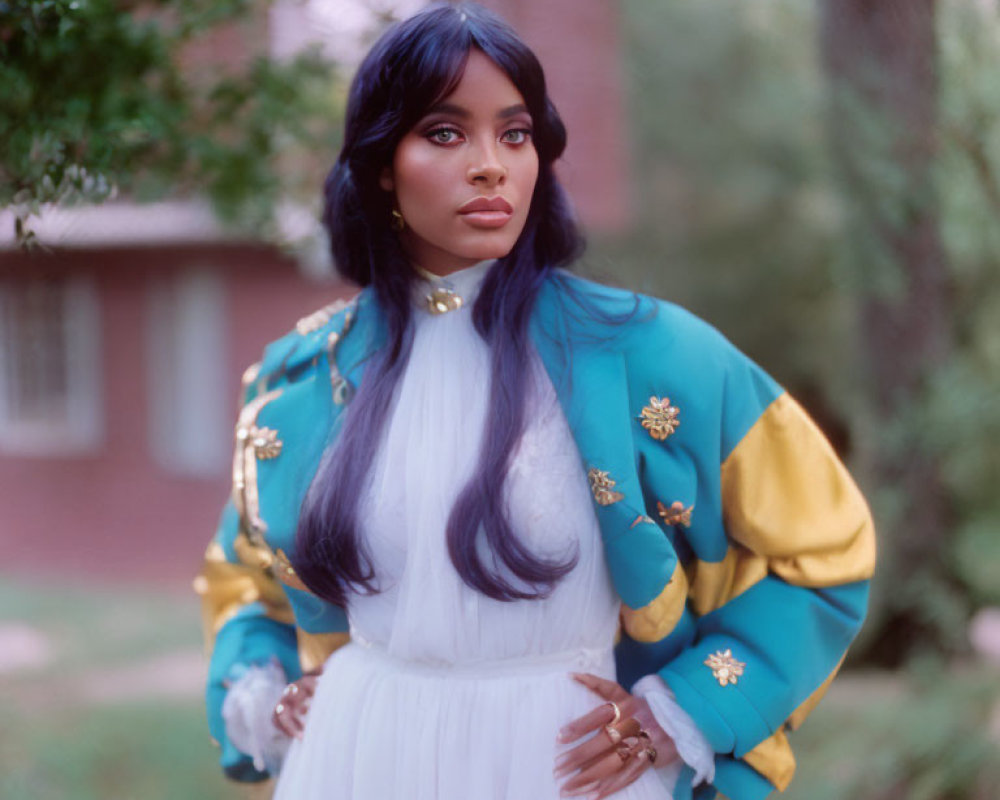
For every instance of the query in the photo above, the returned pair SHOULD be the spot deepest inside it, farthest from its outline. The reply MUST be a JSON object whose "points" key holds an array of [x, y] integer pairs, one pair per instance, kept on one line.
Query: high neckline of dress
{"points": [[439, 294]]}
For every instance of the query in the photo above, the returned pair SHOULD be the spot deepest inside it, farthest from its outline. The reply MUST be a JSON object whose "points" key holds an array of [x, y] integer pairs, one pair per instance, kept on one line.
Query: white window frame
{"points": [[190, 430], [79, 429]]}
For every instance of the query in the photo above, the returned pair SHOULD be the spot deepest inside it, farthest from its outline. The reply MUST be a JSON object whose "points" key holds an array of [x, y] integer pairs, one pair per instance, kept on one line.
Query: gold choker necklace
{"points": [[442, 300]]}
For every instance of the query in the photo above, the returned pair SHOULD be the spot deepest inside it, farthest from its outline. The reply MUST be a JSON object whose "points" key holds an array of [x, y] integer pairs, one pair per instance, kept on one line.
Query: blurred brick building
{"points": [[121, 349]]}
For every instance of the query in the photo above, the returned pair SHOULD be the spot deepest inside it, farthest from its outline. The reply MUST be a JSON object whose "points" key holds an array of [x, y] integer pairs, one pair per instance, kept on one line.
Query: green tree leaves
{"points": [[99, 98]]}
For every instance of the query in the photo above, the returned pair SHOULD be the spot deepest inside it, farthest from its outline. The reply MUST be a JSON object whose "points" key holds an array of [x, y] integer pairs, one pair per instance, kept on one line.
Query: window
{"points": [[50, 371], [190, 428]]}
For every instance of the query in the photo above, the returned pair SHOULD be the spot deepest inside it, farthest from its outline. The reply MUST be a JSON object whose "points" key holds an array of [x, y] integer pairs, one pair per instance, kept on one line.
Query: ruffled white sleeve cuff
{"points": [[247, 711], [691, 744]]}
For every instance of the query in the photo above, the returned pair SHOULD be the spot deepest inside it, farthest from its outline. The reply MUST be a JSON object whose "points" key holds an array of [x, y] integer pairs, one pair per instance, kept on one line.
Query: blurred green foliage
{"points": [[920, 735], [742, 216], [962, 415], [99, 97]]}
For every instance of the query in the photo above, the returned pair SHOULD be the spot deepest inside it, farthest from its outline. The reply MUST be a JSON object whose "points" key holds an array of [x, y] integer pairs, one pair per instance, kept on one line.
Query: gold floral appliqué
{"points": [[660, 418], [725, 669], [676, 514], [265, 442], [602, 486]]}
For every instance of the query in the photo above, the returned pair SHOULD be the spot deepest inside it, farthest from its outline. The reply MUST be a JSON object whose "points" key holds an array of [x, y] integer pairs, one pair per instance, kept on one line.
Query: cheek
{"points": [[527, 179], [419, 176], [527, 173]]}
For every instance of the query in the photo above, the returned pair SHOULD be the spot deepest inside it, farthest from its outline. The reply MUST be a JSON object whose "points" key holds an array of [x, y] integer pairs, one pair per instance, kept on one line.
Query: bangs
{"points": [[420, 61]]}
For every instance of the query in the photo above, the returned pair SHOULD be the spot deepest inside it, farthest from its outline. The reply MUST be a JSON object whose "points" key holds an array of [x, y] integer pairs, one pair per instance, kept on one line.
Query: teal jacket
{"points": [[739, 545]]}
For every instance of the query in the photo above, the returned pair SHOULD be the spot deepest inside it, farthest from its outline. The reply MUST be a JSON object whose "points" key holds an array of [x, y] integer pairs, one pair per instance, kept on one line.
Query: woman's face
{"points": [[463, 177]]}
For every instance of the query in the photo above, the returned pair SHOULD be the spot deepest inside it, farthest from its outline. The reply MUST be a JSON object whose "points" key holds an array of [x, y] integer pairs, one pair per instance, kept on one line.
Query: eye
{"points": [[516, 136], [443, 135]]}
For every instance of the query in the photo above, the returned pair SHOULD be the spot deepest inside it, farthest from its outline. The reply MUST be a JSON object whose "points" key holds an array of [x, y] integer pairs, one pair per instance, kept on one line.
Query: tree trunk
{"points": [[880, 58]]}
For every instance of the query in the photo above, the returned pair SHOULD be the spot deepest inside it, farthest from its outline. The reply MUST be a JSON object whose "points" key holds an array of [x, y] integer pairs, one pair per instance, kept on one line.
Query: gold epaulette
{"points": [[300, 346], [313, 322]]}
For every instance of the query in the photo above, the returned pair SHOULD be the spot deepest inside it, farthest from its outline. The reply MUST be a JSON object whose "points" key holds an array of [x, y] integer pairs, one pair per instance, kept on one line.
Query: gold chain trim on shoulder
{"points": [[250, 376], [248, 439], [338, 383]]}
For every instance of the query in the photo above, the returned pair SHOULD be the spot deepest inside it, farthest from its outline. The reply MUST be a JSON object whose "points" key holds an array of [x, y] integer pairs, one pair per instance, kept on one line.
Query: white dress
{"points": [[444, 693]]}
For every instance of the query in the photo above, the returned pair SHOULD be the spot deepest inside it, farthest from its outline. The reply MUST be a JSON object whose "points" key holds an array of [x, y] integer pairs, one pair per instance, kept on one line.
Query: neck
{"points": [[438, 270], [469, 271]]}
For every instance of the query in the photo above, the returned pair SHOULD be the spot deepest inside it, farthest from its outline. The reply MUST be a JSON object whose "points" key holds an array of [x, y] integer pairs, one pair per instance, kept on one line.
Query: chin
{"points": [[486, 253], [491, 249]]}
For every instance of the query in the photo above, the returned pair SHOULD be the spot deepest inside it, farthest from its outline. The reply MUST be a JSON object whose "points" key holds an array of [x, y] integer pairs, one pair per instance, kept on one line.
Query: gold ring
{"points": [[616, 710], [649, 750]]}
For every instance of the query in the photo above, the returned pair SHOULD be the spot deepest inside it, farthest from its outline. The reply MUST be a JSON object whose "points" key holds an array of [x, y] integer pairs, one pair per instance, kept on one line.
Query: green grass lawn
{"points": [[116, 714], [84, 726], [151, 751]]}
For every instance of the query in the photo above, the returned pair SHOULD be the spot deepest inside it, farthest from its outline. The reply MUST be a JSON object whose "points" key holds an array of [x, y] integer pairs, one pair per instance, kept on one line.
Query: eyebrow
{"points": [[463, 113]]}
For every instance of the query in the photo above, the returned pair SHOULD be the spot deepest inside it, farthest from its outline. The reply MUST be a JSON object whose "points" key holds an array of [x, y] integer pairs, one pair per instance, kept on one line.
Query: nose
{"points": [[485, 167]]}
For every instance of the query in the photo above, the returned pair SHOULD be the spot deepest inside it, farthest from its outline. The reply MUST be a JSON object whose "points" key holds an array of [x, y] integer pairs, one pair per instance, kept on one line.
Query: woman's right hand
{"points": [[290, 713]]}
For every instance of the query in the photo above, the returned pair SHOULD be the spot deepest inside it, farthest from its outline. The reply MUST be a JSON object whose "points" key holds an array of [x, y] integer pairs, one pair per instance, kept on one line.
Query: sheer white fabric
{"points": [[692, 746], [247, 711], [444, 693]]}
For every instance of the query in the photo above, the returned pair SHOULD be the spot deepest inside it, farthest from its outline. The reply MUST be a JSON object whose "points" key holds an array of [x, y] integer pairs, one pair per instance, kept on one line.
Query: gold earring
{"points": [[397, 223]]}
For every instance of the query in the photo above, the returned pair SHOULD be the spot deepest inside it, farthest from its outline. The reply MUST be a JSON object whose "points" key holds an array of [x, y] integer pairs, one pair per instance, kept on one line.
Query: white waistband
{"points": [[584, 659]]}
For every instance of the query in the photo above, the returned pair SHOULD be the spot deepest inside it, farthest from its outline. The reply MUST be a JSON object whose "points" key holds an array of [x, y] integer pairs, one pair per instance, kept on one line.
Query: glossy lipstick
{"points": [[487, 212]]}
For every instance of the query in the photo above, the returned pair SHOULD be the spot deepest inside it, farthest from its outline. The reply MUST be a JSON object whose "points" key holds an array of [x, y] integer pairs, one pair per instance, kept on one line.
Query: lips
{"points": [[486, 205], [486, 212]]}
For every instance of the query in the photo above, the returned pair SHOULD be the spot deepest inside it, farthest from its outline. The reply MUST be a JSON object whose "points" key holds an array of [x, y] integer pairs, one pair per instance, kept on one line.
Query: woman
{"points": [[483, 468]]}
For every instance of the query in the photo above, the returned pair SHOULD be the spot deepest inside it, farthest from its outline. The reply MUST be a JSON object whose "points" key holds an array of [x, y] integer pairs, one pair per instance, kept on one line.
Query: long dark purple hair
{"points": [[410, 68]]}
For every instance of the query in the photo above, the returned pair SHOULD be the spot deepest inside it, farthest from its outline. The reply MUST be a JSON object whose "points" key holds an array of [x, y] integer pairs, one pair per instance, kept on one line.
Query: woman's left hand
{"points": [[601, 766]]}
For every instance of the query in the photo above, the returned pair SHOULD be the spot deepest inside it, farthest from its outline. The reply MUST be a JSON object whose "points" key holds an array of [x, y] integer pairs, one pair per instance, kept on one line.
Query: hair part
{"points": [[411, 67]]}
